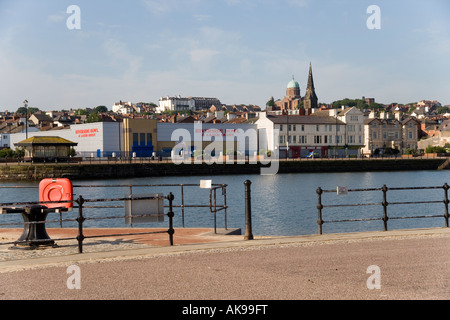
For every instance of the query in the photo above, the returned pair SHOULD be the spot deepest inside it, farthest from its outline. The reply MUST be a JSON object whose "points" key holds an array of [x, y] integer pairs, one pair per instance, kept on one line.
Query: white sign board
{"points": [[342, 191], [153, 209], [205, 184]]}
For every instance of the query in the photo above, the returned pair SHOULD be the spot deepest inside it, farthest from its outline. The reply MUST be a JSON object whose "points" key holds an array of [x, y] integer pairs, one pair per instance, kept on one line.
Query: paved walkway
{"points": [[412, 264]]}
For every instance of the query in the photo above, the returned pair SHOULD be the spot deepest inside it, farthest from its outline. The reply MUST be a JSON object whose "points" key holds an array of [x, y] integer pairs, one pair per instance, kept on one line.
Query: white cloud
{"points": [[120, 57], [58, 17], [202, 56]]}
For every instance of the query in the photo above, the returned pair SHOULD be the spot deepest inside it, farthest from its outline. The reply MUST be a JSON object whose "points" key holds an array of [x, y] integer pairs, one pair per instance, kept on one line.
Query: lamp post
{"points": [[25, 104]]}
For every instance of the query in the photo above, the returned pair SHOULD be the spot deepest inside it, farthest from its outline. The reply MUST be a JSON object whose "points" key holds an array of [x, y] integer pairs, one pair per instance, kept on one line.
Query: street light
{"points": [[25, 104]]}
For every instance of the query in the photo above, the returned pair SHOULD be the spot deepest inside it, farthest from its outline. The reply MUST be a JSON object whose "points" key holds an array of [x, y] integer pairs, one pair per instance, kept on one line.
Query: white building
{"points": [[123, 107], [98, 139], [319, 134], [179, 103], [175, 104]]}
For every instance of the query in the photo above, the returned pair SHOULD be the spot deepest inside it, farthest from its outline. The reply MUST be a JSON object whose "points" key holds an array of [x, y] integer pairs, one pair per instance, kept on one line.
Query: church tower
{"points": [[310, 99], [293, 89]]}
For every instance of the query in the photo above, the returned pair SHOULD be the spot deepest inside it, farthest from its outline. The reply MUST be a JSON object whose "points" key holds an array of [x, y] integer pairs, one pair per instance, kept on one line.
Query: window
{"points": [[325, 138], [294, 127], [303, 127], [289, 127], [149, 139], [354, 118], [374, 135], [351, 128], [294, 139], [281, 127], [142, 139], [135, 139], [289, 139], [281, 139], [317, 127], [302, 139], [351, 139], [410, 134], [317, 139]]}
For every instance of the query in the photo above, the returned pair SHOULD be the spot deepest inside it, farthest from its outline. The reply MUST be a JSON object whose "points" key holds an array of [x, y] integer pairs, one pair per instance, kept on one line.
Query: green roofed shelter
{"points": [[46, 148]]}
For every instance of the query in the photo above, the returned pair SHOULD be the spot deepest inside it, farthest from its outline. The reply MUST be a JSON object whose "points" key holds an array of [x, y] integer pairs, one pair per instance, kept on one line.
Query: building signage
{"points": [[85, 133]]}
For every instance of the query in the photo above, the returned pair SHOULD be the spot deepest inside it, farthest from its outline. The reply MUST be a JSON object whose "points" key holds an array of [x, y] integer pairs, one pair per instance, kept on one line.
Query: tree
{"points": [[101, 109], [81, 112], [270, 103], [435, 149], [23, 110], [93, 117]]}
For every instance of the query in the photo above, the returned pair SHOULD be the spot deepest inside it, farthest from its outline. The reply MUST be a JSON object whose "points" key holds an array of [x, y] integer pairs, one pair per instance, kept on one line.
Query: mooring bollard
{"points": [[248, 211]]}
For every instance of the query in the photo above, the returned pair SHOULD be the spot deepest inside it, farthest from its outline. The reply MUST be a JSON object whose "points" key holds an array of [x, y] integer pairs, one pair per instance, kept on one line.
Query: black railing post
{"points": [[319, 192], [170, 214], [248, 211], [446, 201], [385, 204], [80, 219]]}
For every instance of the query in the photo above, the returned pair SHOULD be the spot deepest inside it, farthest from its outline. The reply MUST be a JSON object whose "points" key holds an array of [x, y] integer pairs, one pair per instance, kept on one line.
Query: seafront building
{"points": [[321, 135], [388, 132]]}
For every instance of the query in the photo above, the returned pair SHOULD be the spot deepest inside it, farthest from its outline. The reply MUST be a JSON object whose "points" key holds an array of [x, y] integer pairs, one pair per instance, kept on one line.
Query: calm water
{"points": [[283, 204]]}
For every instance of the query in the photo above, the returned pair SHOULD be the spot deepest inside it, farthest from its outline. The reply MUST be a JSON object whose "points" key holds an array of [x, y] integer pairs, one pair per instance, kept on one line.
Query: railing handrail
{"points": [[384, 204]]}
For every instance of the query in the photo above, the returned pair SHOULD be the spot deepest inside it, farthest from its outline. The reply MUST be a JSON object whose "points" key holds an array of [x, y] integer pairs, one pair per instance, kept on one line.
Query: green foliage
{"points": [[72, 152], [435, 149], [411, 151], [100, 109], [23, 110], [9, 153], [81, 112], [93, 117], [270, 103]]}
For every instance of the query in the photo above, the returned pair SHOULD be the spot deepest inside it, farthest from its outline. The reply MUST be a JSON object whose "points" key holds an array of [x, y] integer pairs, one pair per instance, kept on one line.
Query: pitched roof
{"points": [[43, 140], [284, 119]]}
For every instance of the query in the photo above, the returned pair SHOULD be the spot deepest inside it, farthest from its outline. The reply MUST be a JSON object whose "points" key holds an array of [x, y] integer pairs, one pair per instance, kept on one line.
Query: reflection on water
{"points": [[282, 204]]}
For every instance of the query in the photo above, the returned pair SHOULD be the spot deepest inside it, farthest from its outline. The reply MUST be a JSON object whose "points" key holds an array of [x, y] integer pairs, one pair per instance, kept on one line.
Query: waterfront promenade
{"points": [[413, 264]]}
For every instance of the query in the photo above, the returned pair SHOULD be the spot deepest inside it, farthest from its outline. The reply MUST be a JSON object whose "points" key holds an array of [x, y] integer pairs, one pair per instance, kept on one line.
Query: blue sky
{"points": [[240, 51]]}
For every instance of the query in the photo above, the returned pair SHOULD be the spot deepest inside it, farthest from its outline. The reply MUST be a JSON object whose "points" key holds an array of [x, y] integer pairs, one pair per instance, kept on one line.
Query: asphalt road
{"points": [[405, 268]]}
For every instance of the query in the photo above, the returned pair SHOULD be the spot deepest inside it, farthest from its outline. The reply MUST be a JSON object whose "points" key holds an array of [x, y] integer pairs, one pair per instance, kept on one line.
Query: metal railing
{"points": [[213, 205], [384, 204], [36, 238], [81, 203]]}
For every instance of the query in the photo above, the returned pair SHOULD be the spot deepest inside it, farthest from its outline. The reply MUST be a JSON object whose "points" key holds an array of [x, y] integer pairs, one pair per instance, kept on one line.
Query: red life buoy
{"points": [[56, 190]]}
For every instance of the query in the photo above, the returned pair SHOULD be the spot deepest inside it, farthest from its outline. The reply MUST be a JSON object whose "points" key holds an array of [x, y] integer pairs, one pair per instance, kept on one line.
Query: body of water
{"points": [[282, 204]]}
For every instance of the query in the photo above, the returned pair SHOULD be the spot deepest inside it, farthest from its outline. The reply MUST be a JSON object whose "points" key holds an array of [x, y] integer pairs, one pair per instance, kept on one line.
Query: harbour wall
{"points": [[83, 171]]}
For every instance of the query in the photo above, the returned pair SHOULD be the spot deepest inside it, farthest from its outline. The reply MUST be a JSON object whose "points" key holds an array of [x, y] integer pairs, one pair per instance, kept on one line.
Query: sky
{"points": [[239, 51]]}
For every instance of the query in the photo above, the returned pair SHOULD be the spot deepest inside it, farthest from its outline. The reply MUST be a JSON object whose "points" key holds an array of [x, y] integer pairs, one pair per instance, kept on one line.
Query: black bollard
{"points": [[248, 211]]}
